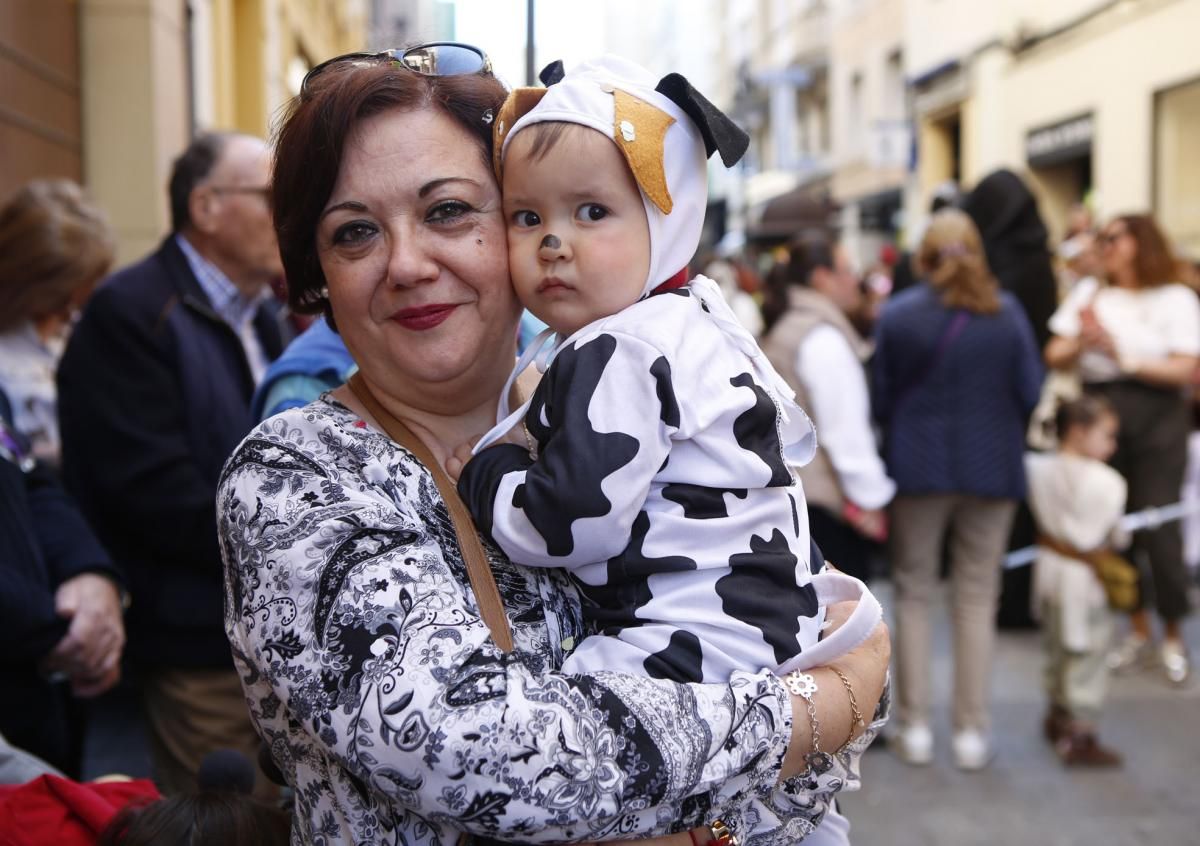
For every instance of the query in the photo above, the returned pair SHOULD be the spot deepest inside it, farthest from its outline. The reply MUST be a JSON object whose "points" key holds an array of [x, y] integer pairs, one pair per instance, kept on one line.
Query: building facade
{"points": [[108, 92], [871, 128], [1090, 100]]}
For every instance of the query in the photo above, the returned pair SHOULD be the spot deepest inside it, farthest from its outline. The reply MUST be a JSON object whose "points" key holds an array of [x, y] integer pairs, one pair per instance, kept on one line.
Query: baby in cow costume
{"points": [[660, 478]]}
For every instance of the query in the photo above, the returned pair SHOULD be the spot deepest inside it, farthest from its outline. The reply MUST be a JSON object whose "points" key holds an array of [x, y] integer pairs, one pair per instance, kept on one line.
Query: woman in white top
{"points": [[54, 247], [1135, 338]]}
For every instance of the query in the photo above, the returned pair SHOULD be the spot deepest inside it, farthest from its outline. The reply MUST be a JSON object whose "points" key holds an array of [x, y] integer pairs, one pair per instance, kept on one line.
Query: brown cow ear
{"points": [[640, 132], [516, 105]]}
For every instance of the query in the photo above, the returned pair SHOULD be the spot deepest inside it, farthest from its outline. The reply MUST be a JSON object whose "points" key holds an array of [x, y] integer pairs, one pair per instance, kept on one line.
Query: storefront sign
{"points": [[1060, 142]]}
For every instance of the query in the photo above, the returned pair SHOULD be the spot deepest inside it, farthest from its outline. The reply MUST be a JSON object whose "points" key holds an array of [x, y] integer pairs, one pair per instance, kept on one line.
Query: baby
{"points": [[660, 437]]}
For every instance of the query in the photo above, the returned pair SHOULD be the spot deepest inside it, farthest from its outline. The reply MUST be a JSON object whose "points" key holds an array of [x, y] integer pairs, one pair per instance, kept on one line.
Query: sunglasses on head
{"points": [[437, 58]]}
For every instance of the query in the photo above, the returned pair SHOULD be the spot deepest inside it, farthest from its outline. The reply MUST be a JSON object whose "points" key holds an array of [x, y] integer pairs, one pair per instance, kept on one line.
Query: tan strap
{"points": [[483, 583], [1067, 551]]}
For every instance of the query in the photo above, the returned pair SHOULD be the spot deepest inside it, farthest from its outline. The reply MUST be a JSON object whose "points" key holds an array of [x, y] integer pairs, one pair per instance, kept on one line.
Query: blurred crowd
{"points": [[931, 375]]}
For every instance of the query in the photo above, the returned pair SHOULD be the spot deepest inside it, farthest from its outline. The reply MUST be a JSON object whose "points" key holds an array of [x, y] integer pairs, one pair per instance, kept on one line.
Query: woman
{"points": [[956, 373], [54, 247], [821, 355], [60, 608], [368, 669], [1135, 338]]}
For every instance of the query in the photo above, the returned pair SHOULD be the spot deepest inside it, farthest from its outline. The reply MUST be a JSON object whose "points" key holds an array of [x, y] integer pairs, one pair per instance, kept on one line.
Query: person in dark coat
{"points": [[60, 607], [1015, 240], [957, 374], [154, 394]]}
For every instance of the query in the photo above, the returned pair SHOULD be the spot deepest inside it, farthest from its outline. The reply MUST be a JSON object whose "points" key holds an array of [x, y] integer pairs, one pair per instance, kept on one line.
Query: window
{"points": [[1176, 166]]}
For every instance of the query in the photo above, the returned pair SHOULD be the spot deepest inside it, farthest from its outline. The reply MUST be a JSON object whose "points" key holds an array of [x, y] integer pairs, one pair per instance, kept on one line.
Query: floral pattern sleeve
{"points": [[385, 702]]}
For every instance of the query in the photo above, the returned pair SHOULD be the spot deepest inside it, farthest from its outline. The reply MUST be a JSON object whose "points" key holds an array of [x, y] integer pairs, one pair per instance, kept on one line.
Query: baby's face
{"points": [[578, 240]]}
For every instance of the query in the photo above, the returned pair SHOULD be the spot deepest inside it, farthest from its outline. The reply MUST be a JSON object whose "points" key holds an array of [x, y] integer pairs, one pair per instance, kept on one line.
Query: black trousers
{"points": [[843, 547], [1152, 456]]}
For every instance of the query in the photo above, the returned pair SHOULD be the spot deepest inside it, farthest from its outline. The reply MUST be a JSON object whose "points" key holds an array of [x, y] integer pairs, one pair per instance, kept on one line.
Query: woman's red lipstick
{"points": [[420, 318]]}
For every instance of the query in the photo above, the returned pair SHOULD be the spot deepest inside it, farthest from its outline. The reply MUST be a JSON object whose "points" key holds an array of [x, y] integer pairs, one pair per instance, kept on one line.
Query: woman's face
{"points": [[412, 244], [1118, 248]]}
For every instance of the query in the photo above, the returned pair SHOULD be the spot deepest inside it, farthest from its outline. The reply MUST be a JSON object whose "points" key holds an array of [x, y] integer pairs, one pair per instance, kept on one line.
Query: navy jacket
{"points": [[154, 394], [957, 424], [319, 353], [44, 541]]}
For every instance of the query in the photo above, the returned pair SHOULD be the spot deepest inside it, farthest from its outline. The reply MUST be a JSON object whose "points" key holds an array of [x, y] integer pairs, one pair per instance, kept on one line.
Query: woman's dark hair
{"points": [[310, 143], [204, 818], [1155, 263], [1082, 412], [811, 249]]}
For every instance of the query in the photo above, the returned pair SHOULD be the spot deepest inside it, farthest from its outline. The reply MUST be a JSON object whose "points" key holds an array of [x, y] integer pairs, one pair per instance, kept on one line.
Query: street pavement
{"points": [[1026, 797]]}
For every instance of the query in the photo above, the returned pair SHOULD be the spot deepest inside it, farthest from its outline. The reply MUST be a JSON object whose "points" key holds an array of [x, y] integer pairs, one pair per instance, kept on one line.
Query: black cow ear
{"points": [[552, 73], [720, 133]]}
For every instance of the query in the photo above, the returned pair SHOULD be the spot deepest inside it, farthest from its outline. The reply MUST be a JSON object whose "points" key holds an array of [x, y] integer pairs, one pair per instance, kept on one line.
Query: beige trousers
{"points": [[1077, 681], [191, 713], [978, 530]]}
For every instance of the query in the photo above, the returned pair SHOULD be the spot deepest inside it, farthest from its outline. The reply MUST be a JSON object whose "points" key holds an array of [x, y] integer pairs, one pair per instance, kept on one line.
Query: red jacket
{"points": [[56, 810]]}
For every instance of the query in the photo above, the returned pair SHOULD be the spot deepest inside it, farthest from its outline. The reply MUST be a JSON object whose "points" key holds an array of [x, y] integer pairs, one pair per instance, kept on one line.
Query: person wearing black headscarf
{"points": [[1015, 240]]}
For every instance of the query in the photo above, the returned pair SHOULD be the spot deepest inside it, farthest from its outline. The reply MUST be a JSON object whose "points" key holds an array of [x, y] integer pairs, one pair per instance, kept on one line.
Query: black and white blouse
{"points": [[396, 719]]}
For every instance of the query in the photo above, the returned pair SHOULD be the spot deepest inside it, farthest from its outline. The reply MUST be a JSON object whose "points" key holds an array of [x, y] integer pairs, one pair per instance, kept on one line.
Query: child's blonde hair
{"points": [[951, 258]]}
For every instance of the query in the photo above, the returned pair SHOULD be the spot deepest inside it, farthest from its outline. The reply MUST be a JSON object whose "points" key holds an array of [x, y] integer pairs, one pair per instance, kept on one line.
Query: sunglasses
{"points": [[437, 58]]}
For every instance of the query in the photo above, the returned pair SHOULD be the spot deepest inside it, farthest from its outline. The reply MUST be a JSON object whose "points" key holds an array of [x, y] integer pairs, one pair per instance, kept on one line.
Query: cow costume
{"points": [[663, 436]]}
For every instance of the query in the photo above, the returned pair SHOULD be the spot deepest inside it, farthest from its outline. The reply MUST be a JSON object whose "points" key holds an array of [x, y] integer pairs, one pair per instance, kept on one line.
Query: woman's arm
{"points": [[1062, 353], [365, 646], [1174, 371]]}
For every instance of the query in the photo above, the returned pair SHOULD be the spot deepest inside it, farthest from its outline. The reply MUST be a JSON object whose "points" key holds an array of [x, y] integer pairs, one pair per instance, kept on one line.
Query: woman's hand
{"points": [[1093, 335], [865, 668]]}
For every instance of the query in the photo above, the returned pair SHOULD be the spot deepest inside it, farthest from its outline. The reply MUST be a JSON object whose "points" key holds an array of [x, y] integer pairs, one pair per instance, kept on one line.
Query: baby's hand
{"points": [[459, 458]]}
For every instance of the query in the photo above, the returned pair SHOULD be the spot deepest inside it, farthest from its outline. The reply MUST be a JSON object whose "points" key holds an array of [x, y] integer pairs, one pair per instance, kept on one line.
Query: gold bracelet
{"points": [[855, 714]]}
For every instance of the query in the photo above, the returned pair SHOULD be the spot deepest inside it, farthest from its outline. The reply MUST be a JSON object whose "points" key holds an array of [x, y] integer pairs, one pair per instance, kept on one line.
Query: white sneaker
{"points": [[915, 744], [971, 750]]}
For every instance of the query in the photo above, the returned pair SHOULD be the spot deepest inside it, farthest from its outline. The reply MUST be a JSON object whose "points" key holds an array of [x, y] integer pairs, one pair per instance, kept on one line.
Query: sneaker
{"points": [[914, 744], [1084, 750], [1175, 661], [971, 750], [1130, 652]]}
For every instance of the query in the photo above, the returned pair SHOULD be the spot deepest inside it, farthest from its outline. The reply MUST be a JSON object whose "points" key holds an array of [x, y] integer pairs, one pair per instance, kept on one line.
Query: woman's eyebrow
{"points": [[437, 183], [349, 205]]}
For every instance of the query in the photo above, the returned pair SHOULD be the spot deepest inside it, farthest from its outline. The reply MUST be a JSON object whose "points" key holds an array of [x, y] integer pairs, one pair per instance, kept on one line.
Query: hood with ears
{"points": [[665, 130]]}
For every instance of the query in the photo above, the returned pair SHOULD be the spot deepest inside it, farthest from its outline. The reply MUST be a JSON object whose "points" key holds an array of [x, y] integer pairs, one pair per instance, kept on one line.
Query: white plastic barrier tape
{"points": [[1148, 518]]}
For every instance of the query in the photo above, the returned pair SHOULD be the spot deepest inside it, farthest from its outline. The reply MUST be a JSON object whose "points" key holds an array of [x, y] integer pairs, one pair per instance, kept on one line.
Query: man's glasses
{"points": [[438, 58], [263, 191]]}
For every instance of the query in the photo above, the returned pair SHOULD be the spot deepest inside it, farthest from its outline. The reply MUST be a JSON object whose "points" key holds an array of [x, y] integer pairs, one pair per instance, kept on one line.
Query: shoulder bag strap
{"points": [[954, 327], [483, 583]]}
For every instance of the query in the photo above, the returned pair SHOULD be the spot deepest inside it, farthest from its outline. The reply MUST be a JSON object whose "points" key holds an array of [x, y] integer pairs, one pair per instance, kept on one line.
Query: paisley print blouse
{"points": [[395, 718]]}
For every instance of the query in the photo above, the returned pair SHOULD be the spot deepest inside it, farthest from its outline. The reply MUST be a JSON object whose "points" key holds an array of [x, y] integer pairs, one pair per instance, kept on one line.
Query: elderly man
{"points": [[154, 394]]}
